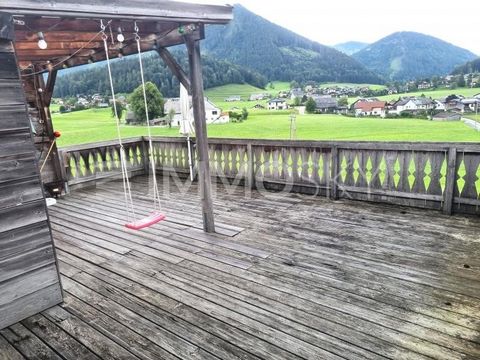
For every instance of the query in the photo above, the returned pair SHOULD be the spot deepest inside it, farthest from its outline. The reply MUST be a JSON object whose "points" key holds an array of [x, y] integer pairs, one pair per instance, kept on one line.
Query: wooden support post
{"points": [[250, 180], [196, 80], [334, 174], [175, 68], [451, 178]]}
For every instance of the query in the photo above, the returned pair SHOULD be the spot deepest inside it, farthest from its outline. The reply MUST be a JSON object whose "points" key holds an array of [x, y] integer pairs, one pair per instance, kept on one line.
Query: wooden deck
{"points": [[289, 277]]}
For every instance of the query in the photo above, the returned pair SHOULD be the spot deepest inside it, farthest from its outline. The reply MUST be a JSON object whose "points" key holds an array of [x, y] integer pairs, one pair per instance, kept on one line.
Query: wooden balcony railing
{"points": [[442, 176]]}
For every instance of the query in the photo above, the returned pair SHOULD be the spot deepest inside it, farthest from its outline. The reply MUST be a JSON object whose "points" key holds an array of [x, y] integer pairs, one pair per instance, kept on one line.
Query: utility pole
{"points": [[293, 126]]}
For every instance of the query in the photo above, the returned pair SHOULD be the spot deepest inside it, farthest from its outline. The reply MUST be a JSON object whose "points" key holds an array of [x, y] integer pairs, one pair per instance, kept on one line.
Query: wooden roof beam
{"points": [[36, 24], [123, 9], [148, 43]]}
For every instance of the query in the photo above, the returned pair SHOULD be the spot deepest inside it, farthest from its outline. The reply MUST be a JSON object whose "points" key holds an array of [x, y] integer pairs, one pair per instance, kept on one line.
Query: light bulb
{"points": [[42, 44], [120, 36]]}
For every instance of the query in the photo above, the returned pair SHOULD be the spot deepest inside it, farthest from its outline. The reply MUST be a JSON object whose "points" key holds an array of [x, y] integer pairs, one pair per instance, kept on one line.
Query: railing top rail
{"points": [[360, 145], [100, 144]]}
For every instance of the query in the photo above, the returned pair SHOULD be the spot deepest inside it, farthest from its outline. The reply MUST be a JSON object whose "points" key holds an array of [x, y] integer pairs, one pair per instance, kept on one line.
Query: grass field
{"points": [[97, 125], [220, 93]]}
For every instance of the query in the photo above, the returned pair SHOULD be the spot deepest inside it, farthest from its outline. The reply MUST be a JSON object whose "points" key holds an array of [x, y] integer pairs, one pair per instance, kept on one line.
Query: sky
{"points": [[333, 22]]}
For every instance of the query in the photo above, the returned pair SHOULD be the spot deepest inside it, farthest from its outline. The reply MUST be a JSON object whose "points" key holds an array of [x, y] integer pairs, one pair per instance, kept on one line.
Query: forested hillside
{"points": [[468, 68], [280, 54], [93, 78], [410, 55]]}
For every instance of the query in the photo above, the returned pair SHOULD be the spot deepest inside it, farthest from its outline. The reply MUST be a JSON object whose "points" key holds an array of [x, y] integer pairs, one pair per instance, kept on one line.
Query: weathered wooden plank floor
{"points": [[307, 278]]}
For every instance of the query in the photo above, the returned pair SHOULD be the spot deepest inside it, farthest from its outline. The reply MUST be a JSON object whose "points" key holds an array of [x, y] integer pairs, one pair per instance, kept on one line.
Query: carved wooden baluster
{"points": [[376, 157], [420, 160], [234, 169], [295, 161], [350, 160], [226, 154], [103, 157], [390, 159], [437, 160], [276, 162], [362, 157], [471, 163], [304, 155], [326, 163], [258, 163]]}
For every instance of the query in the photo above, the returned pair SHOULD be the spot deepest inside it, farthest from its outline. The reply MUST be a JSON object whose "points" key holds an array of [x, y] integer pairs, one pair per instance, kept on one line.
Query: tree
{"points": [[62, 109], [120, 109], [294, 84], [297, 101], [343, 101], [244, 113], [310, 106], [461, 81], [171, 115], [154, 101]]}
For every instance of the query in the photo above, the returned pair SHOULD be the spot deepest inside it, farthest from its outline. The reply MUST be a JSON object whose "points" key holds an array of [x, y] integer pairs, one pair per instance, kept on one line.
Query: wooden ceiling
{"points": [[73, 33], [73, 42]]}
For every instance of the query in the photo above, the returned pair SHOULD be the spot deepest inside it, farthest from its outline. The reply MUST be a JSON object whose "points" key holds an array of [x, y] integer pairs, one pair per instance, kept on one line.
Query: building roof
{"points": [[419, 101], [368, 106], [277, 100], [326, 102], [447, 115], [471, 101]]}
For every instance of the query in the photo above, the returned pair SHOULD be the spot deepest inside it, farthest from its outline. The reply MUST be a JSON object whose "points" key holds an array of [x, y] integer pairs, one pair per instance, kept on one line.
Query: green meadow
{"points": [[98, 125]]}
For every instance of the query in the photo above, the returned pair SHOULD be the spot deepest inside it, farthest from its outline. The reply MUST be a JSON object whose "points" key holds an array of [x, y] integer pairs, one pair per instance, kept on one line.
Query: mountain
{"points": [[468, 68], [350, 47], [410, 55], [279, 54], [91, 79]]}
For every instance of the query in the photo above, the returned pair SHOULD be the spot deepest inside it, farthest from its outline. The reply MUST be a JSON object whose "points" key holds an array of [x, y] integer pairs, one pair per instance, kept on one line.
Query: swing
{"points": [[156, 215]]}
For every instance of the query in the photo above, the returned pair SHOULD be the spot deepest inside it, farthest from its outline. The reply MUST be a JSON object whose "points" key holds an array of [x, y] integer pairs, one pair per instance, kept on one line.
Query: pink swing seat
{"points": [[150, 220]]}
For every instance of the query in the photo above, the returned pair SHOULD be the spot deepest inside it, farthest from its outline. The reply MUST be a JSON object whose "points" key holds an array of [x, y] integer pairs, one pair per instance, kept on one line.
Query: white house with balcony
{"points": [[277, 104], [213, 114]]}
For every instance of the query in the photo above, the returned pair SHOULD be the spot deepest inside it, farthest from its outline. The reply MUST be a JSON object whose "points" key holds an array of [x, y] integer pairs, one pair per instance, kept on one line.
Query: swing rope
{"points": [[123, 161], [156, 194]]}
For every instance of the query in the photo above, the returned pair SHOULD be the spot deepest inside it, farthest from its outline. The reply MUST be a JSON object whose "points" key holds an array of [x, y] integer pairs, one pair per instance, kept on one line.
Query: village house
{"points": [[472, 104], [233, 98], [257, 97], [447, 116], [453, 103], [439, 105], [370, 108], [413, 105], [212, 112], [425, 85], [326, 104], [296, 93], [277, 104]]}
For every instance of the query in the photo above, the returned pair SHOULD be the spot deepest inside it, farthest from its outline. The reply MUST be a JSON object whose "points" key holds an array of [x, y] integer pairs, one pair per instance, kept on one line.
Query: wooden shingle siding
{"points": [[29, 281]]}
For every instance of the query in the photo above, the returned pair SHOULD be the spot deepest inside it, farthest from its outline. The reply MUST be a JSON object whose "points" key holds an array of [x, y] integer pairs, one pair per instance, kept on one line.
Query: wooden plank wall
{"points": [[29, 281]]}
